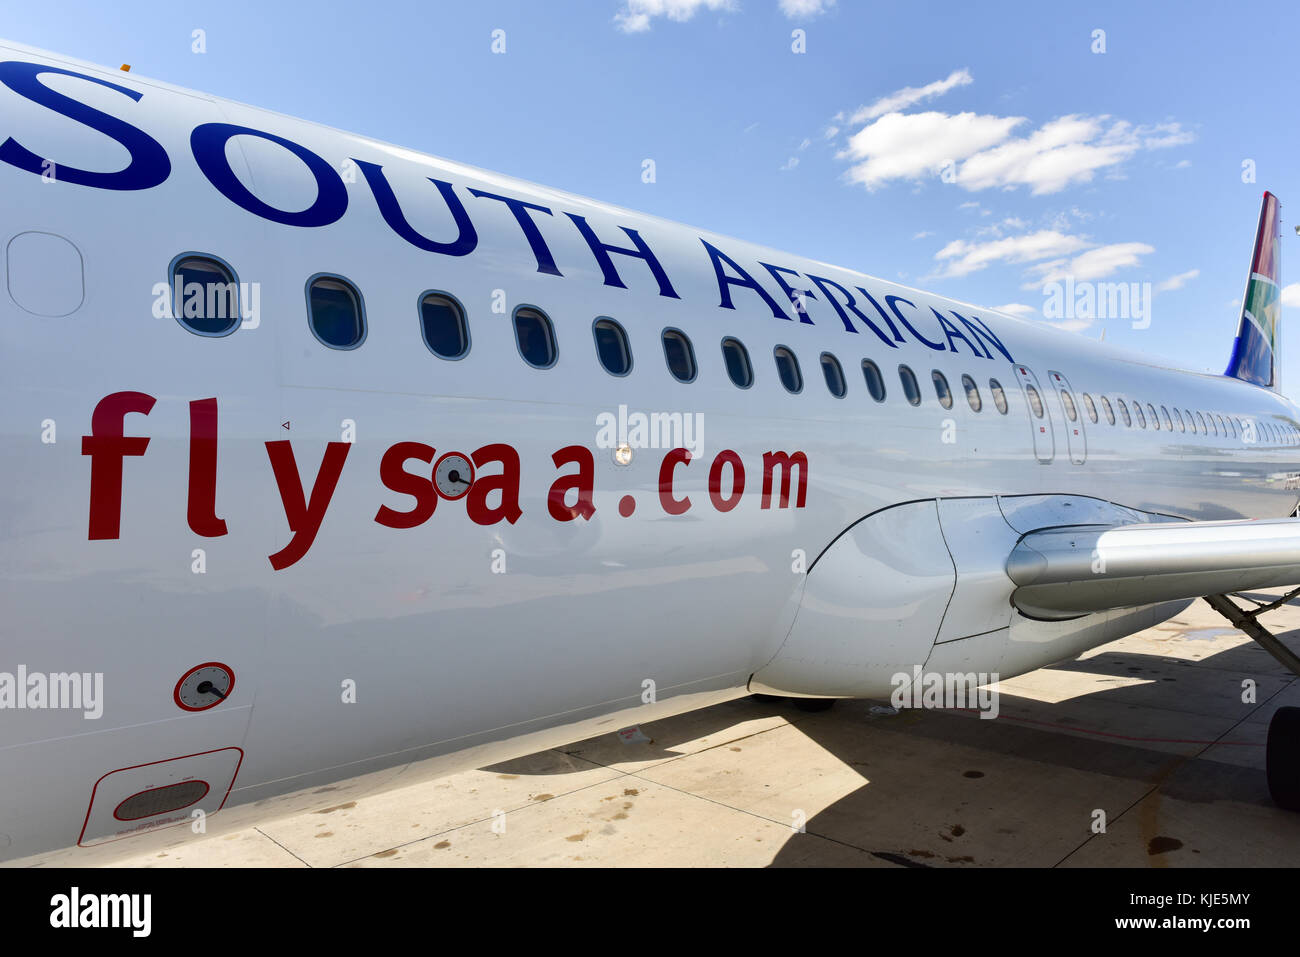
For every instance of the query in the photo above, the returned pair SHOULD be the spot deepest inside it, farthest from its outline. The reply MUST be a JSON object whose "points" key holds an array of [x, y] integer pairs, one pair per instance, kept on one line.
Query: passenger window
{"points": [[336, 313], [1200, 420], [834, 375], [1123, 413], [1110, 413], [1155, 419], [972, 393], [1092, 409], [875, 381], [1179, 419], [1214, 427], [736, 357], [910, 389], [1169, 423], [1068, 401], [535, 337], [787, 369], [679, 355], [205, 296], [1190, 420], [442, 323], [1035, 401], [1137, 412], [941, 389], [999, 397], [612, 348]]}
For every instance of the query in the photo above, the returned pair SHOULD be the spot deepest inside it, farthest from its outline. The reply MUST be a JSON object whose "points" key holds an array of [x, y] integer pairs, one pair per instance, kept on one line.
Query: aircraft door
{"points": [[1040, 420], [1076, 439]]}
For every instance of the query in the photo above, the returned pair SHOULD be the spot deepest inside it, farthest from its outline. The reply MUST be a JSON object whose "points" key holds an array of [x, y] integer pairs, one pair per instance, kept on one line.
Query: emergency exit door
{"points": [[1040, 419]]}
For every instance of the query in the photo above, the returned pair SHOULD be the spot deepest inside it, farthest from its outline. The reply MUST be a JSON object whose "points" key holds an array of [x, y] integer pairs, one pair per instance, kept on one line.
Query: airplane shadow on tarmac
{"points": [[1163, 746]]}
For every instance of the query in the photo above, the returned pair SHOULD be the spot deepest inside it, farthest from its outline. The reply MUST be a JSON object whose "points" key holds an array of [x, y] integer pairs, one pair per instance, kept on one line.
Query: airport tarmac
{"points": [[1150, 731]]}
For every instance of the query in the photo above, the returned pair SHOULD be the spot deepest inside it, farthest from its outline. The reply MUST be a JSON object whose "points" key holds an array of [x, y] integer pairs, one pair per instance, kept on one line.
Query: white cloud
{"points": [[789, 164], [635, 16], [1019, 310], [913, 145], [965, 257], [922, 234], [805, 144], [980, 151], [1291, 295], [911, 95], [805, 8], [1094, 264], [1177, 282]]}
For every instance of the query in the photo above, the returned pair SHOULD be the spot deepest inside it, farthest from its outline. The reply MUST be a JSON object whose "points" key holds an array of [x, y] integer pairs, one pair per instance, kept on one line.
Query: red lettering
{"points": [[584, 481], [673, 506], [507, 483], [726, 457], [787, 464], [304, 517], [106, 445], [393, 475], [202, 502]]}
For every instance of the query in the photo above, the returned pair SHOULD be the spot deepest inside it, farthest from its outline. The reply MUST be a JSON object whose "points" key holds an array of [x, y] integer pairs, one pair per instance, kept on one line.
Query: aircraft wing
{"points": [[1066, 572]]}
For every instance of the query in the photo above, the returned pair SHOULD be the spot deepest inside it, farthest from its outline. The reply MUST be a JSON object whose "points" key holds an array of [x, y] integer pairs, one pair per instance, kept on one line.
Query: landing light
{"points": [[623, 455]]}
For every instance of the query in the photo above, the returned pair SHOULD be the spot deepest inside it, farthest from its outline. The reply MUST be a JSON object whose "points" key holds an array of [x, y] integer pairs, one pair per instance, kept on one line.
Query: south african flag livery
{"points": [[1255, 351]]}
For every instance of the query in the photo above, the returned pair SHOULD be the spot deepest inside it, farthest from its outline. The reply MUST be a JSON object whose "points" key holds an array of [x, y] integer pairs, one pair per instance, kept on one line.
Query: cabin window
{"points": [[1200, 420], [442, 322], [1155, 419], [1223, 426], [535, 337], [612, 349], [337, 315], [972, 393], [1214, 426], [1190, 420], [834, 375], [1179, 420], [1137, 413], [1092, 409], [680, 355], [736, 356], [205, 295], [1035, 401], [1110, 413], [910, 389], [1232, 429], [787, 369], [999, 397], [1067, 400], [875, 381], [1123, 413], [941, 390]]}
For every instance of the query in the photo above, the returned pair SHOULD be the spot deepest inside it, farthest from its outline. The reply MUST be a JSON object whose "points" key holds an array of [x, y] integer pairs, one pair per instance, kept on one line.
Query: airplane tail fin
{"points": [[1254, 354]]}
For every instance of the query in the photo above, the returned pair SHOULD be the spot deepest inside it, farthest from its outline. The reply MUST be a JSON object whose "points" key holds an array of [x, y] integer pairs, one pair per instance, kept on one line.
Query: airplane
{"points": [[332, 466]]}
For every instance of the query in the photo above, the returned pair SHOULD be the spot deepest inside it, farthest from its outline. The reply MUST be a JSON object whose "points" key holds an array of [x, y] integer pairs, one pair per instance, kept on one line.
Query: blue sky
{"points": [[978, 150]]}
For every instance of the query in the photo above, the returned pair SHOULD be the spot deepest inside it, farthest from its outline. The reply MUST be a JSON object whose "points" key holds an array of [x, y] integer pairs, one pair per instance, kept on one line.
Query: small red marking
{"points": [[626, 505]]}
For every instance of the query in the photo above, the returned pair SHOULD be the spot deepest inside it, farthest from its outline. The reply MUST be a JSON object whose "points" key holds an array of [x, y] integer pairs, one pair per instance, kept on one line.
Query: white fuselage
{"points": [[380, 646]]}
